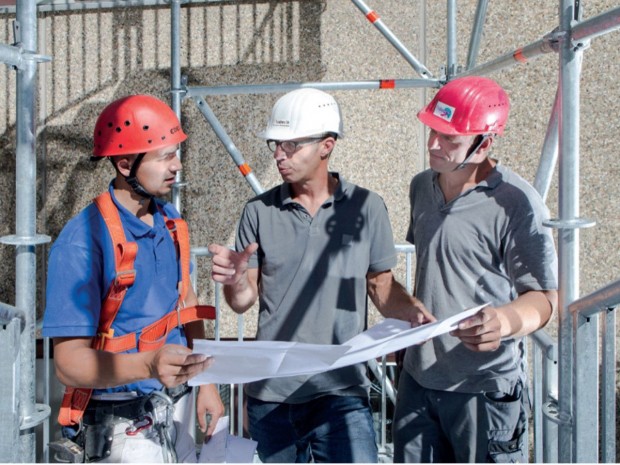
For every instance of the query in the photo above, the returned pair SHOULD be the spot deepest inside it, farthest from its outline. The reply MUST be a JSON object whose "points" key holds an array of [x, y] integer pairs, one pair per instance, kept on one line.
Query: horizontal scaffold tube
{"points": [[326, 86]]}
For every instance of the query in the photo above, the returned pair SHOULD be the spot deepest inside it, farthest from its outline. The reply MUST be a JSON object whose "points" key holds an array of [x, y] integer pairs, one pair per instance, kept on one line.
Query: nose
{"points": [[433, 140], [177, 165], [279, 153]]}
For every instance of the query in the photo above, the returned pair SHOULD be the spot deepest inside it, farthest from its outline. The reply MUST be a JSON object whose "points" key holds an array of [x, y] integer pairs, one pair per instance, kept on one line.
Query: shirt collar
{"points": [[342, 189], [132, 223], [490, 182]]}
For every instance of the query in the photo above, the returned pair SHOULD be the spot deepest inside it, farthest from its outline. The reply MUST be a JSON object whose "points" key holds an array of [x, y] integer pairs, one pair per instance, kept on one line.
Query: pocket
{"points": [[508, 416]]}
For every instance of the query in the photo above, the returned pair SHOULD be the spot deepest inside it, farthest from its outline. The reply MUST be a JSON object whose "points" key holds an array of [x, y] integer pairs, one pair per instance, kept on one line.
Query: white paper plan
{"points": [[227, 448], [236, 362]]}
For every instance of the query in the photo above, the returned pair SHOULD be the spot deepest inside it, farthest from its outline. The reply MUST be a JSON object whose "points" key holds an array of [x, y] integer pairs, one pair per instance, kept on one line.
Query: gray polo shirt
{"points": [[487, 245], [312, 280]]}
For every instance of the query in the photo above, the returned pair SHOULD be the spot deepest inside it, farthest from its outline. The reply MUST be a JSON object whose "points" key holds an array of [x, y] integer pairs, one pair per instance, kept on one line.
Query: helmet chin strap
{"points": [[132, 180], [472, 152]]}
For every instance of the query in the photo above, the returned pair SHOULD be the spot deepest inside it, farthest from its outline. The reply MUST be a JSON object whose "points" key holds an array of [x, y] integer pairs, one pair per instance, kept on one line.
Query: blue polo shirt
{"points": [[81, 268]]}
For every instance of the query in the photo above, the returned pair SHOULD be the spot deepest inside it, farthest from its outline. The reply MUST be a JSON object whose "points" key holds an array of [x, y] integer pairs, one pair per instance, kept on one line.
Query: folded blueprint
{"points": [[237, 362]]}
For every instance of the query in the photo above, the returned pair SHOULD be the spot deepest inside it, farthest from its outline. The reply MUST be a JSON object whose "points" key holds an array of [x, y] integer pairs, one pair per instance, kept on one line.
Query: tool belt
{"points": [[108, 423], [103, 410]]}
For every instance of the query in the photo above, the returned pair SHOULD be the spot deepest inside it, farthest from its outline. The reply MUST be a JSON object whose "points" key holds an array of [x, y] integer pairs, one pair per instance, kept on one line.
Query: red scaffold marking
{"points": [[387, 84], [372, 16], [518, 55], [245, 169]]}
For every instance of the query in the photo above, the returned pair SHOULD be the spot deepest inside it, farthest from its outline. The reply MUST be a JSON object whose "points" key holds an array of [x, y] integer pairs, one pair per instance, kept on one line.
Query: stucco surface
{"points": [[101, 55]]}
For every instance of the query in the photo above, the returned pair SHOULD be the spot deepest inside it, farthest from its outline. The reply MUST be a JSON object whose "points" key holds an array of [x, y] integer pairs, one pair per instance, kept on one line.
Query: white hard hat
{"points": [[303, 113]]}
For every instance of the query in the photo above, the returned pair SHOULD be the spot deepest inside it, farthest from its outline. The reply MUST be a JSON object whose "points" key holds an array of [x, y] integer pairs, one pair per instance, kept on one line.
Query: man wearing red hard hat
{"points": [[479, 240], [120, 307]]}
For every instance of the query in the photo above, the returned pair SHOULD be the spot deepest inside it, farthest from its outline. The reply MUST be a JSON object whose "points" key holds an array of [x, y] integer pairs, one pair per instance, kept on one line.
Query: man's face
{"points": [[446, 152], [303, 163], [158, 169]]}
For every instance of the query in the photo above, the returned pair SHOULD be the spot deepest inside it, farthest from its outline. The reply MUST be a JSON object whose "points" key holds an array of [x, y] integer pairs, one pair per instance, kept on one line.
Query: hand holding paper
{"points": [[243, 362]]}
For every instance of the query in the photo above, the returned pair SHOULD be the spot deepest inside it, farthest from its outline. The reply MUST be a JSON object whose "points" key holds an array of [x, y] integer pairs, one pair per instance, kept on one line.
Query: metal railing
{"points": [[13, 322]]}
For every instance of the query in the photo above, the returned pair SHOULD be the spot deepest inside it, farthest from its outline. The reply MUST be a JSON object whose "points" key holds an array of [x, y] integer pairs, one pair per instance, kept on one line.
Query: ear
{"points": [[124, 164], [486, 144], [327, 145]]}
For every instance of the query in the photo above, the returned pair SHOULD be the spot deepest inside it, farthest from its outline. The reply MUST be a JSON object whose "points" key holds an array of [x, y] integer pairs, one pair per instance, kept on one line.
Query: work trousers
{"points": [[432, 426]]}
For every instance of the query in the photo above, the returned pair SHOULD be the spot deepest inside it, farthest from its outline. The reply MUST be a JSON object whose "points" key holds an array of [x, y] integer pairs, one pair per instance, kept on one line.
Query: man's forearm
{"points": [[98, 369], [527, 313], [241, 295], [393, 301]]}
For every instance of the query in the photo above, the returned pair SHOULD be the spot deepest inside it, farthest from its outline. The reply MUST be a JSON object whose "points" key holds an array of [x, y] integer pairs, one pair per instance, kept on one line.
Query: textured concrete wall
{"points": [[101, 55]]}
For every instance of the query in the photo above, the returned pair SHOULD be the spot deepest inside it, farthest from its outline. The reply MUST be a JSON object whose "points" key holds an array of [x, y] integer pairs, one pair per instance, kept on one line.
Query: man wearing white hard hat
{"points": [[311, 250], [479, 238]]}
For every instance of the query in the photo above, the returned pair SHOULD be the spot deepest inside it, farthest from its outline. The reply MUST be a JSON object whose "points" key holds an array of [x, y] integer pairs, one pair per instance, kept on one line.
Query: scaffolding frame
{"points": [[572, 384]]}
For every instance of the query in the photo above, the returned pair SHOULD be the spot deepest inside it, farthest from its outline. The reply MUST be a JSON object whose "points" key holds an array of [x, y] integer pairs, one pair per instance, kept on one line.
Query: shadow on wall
{"points": [[221, 43]]}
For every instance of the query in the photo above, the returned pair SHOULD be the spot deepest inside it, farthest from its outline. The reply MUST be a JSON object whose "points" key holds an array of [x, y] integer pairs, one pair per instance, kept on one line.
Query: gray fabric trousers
{"points": [[446, 427]]}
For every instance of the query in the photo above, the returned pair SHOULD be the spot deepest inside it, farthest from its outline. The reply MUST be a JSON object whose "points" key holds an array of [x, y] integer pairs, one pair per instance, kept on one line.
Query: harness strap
{"points": [[180, 235], [75, 400], [154, 335]]}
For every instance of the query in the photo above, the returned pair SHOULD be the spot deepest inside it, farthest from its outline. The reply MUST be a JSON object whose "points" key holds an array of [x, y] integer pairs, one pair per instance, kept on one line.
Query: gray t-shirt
{"points": [[487, 245], [312, 279]]}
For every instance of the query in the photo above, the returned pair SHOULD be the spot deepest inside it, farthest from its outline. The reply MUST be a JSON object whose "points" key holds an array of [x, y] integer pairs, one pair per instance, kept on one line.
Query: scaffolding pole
{"points": [[374, 18], [176, 91], [476, 33], [568, 224], [549, 154], [25, 224], [246, 89]]}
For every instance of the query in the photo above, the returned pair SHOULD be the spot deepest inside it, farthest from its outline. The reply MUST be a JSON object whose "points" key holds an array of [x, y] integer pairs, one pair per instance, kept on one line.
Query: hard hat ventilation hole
{"points": [[163, 137], [118, 129], [145, 128], [150, 141], [120, 146], [127, 123], [110, 125]]}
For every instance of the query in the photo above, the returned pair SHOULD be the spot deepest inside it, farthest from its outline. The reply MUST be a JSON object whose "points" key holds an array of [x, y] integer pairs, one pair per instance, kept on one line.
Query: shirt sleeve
{"points": [[382, 250], [247, 232], [73, 294], [530, 251]]}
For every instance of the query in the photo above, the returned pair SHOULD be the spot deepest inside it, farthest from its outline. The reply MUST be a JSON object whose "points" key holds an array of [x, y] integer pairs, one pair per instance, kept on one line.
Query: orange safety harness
{"points": [[154, 335]]}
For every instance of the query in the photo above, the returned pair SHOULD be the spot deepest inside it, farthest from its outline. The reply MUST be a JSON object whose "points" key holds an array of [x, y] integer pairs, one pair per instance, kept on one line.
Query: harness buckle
{"points": [[109, 334], [125, 278], [180, 306]]}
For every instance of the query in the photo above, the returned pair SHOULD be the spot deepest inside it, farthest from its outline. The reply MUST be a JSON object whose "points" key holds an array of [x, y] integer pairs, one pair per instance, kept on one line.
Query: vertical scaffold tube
{"points": [[476, 33], [568, 238], [451, 40], [25, 218], [175, 81]]}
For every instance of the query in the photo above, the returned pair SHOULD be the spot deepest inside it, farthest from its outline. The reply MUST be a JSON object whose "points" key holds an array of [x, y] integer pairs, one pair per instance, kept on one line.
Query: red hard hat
{"points": [[136, 124], [468, 106]]}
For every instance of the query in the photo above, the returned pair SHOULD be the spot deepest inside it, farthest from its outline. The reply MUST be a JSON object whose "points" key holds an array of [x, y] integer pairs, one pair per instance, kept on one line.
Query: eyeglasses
{"points": [[291, 146]]}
